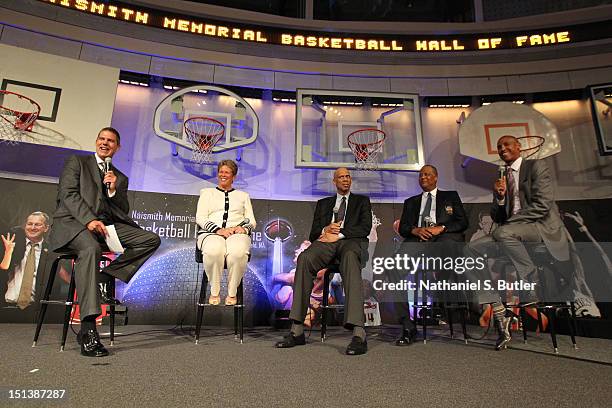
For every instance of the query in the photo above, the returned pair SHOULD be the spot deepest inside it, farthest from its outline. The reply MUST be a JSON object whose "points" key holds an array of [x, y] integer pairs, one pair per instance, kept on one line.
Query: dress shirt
{"points": [[14, 286]]}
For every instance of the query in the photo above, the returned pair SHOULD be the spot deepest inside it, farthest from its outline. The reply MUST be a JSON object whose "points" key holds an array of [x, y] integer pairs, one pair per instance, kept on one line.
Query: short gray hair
{"points": [[40, 214]]}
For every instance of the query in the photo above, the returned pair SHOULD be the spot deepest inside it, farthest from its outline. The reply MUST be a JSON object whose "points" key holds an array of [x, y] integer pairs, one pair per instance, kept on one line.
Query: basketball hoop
{"points": [[203, 134], [366, 145], [540, 141], [17, 115]]}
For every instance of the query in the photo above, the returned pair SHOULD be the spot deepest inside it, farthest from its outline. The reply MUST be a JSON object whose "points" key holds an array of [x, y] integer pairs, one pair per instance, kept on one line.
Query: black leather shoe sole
{"points": [[357, 347], [406, 339], [291, 341], [97, 352], [109, 301], [90, 344]]}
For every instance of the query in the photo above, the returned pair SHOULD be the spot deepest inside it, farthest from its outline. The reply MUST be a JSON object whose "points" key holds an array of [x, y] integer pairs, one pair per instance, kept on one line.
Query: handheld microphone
{"points": [[335, 217], [501, 172], [107, 167], [244, 222]]}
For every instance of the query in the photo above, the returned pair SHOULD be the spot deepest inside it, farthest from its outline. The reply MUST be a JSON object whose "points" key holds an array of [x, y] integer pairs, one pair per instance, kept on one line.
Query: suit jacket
{"points": [[538, 206], [79, 199], [449, 212], [358, 218]]}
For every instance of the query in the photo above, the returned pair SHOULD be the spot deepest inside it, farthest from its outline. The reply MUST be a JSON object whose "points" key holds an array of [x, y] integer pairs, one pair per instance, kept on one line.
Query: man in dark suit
{"points": [[524, 207], [432, 216], [26, 259], [339, 232], [88, 200]]}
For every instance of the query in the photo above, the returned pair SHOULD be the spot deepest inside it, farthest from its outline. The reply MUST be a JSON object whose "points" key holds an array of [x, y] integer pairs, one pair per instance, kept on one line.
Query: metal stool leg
{"points": [[553, 333], [203, 287], [424, 309], [540, 322], [325, 304], [45, 298], [415, 310], [112, 313], [69, 304], [572, 324], [241, 323], [523, 317], [464, 310], [236, 317], [449, 314], [415, 300], [238, 312]]}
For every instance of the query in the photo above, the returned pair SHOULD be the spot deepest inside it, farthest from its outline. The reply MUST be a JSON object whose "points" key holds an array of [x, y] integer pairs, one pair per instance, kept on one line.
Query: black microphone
{"points": [[244, 222], [108, 163]]}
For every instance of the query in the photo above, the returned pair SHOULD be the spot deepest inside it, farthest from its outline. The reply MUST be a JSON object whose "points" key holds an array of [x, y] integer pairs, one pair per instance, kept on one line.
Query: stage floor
{"points": [[161, 366]]}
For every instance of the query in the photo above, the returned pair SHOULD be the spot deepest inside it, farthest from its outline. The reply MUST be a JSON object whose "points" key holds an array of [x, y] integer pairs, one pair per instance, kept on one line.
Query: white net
{"points": [[530, 146], [203, 134], [366, 145], [17, 116]]}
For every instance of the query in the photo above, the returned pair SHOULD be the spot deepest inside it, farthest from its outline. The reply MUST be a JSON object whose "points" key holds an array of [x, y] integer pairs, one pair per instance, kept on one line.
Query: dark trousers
{"points": [[139, 246], [319, 256], [442, 245]]}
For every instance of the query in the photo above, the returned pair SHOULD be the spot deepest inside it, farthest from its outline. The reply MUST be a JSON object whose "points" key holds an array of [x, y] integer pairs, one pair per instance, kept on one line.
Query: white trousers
{"points": [[234, 252]]}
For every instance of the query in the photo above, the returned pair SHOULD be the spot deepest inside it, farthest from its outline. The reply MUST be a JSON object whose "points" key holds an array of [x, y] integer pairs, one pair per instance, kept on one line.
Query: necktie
{"points": [[25, 293], [341, 210], [515, 205], [426, 210]]}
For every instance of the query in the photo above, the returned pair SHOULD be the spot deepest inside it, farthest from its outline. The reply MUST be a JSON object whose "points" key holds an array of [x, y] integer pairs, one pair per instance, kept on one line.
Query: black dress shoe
{"points": [[291, 341], [357, 346], [90, 344], [105, 296], [407, 337]]}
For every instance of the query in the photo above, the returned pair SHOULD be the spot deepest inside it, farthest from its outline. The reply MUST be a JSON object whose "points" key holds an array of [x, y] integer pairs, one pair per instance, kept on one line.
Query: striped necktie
{"points": [[515, 204], [341, 210]]}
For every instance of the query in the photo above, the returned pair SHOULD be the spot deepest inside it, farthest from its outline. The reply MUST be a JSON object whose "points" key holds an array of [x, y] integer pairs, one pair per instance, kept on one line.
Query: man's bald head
{"points": [[508, 148], [342, 180]]}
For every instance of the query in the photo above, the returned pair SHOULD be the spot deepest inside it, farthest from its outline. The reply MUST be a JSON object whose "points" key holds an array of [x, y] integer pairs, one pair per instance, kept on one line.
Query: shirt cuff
{"points": [[111, 195], [341, 235]]}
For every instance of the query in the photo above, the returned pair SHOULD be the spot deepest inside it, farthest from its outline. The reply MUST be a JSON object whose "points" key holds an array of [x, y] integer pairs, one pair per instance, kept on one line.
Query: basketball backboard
{"points": [[234, 112], [325, 119], [601, 107], [75, 98], [479, 133]]}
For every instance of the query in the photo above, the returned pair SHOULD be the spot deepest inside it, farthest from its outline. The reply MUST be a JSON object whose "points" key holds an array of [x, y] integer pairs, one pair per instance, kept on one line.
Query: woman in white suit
{"points": [[226, 220]]}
